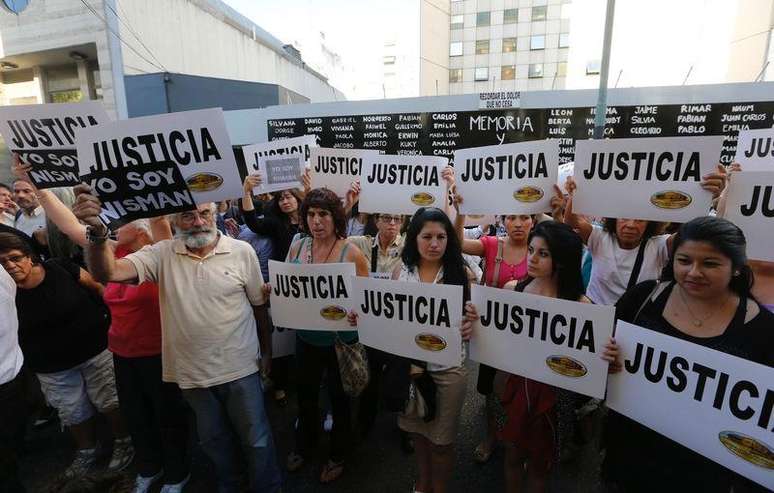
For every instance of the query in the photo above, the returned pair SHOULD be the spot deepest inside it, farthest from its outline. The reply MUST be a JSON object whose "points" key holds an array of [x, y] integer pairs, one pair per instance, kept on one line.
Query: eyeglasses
{"points": [[189, 217], [391, 219], [16, 259]]}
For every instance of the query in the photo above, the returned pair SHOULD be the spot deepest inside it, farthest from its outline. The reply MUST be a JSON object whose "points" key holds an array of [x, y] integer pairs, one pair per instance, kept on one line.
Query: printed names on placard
{"points": [[441, 133]]}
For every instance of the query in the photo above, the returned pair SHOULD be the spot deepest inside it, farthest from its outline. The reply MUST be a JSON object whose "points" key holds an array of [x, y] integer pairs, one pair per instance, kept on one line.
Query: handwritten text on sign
{"points": [[415, 320], [507, 179], [401, 184], [557, 342], [311, 296], [713, 403], [645, 178], [336, 169], [281, 147], [44, 137], [750, 205]]}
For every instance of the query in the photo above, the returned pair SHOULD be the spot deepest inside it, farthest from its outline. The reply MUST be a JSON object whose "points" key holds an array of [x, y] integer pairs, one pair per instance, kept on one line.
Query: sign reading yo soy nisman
{"points": [[145, 167], [44, 137], [714, 403]]}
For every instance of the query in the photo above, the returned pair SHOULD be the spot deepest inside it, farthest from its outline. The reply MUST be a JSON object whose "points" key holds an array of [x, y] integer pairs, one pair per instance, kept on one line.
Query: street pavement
{"points": [[377, 465]]}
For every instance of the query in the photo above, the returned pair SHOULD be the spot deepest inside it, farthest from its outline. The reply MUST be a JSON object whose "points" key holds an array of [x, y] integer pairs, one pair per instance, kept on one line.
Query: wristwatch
{"points": [[95, 236]]}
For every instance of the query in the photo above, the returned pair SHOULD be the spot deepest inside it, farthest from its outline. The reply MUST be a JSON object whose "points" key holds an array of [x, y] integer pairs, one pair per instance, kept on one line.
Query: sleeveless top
{"points": [[408, 276], [322, 338]]}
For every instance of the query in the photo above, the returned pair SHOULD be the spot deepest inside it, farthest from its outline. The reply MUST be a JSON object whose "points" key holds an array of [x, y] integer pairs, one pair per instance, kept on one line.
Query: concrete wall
{"points": [[150, 94], [207, 38], [434, 47]]}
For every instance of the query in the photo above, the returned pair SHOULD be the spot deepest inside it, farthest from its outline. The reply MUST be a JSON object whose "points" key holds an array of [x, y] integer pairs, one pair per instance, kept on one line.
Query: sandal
{"points": [[481, 454], [294, 462], [331, 472]]}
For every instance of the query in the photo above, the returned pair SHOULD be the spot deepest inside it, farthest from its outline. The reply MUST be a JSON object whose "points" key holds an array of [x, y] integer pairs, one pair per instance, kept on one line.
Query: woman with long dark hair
{"points": [[704, 297], [325, 242], [432, 253], [530, 429]]}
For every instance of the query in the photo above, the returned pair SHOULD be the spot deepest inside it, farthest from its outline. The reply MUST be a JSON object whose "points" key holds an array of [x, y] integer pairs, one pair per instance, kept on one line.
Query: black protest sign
{"points": [[44, 137], [149, 191]]}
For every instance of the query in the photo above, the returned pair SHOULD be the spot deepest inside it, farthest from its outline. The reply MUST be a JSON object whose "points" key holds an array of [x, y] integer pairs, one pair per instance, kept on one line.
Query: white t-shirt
{"points": [[611, 265], [11, 358]]}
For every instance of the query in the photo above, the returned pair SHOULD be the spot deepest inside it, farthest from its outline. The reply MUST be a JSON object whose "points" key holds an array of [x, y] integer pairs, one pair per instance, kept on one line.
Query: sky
{"points": [[354, 29]]}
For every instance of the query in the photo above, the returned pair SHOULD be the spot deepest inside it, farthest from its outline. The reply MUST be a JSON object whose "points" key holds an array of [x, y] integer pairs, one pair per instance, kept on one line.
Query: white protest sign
{"points": [[653, 178], [507, 179], [553, 341], [401, 184], [717, 405], [750, 205], [296, 145], [499, 100], [411, 319], [311, 296], [44, 137], [336, 169], [280, 172], [144, 167], [755, 149]]}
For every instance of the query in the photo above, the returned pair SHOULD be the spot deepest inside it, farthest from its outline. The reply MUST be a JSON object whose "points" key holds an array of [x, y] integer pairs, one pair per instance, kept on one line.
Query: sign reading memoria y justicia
{"points": [[443, 132]]}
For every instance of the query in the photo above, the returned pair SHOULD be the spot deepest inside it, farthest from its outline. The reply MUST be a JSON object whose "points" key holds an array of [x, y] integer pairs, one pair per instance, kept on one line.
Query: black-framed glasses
{"points": [[391, 219]]}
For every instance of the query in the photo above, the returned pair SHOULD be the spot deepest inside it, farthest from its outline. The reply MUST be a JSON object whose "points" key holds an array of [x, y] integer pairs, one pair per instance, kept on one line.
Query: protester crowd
{"points": [[168, 321]]}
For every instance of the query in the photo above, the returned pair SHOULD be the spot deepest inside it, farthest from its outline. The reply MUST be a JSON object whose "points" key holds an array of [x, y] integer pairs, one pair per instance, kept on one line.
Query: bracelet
{"points": [[96, 238]]}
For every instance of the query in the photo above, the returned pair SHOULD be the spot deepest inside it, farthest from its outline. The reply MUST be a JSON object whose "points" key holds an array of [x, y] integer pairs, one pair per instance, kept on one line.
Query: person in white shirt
{"points": [[626, 251], [7, 207], [31, 218], [12, 401]]}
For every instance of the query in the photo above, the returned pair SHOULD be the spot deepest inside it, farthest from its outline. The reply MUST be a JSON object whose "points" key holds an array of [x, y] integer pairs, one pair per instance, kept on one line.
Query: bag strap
{"points": [[300, 248], [497, 261], [344, 252], [637, 265], [374, 255], [648, 298]]}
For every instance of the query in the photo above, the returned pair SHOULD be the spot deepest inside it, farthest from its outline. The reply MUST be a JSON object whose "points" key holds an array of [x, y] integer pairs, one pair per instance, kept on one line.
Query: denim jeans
{"points": [[230, 417]]}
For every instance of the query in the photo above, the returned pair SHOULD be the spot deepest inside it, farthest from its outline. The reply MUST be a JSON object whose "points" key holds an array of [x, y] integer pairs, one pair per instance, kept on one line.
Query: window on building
{"points": [[561, 69], [388, 60], [537, 42], [482, 47], [509, 45], [564, 40], [539, 13], [457, 21], [483, 18], [510, 16], [508, 72], [455, 49], [71, 96], [481, 73], [455, 75], [535, 70], [592, 67]]}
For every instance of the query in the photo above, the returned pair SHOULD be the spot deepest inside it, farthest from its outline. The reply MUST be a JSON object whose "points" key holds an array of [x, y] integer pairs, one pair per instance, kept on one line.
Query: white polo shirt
{"points": [[209, 334], [11, 357]]}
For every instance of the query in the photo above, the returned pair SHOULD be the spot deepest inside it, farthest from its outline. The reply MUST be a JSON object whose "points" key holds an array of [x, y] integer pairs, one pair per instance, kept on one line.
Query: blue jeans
{"points": [[231, 416]]}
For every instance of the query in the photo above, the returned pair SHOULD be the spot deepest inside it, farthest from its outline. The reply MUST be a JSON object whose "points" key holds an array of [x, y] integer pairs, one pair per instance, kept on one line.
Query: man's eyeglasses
{"points": [[189, 217], [16, 259], [391, 219]]}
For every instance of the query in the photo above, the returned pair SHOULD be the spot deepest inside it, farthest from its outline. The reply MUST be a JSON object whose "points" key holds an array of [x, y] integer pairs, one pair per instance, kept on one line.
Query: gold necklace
{"points": [[698, 322]]}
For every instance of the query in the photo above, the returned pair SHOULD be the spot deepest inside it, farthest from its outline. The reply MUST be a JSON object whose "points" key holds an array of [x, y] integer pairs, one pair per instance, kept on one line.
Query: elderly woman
{"points": [[324, 223]]}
